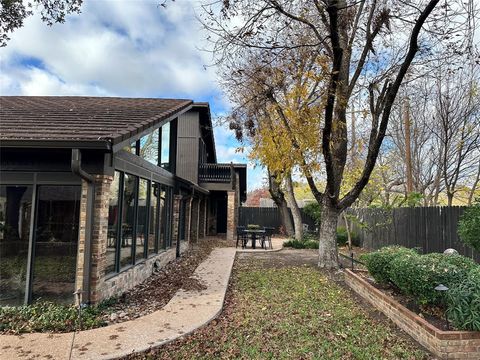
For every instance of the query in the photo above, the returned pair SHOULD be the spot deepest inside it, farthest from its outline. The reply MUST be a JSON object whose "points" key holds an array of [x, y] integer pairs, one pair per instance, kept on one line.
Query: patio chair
{"points": [[267, 238], [241, 236]]}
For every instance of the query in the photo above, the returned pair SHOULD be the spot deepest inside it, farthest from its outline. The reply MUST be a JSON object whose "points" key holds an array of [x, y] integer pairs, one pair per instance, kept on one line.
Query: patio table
{"points": [[253, 235]]}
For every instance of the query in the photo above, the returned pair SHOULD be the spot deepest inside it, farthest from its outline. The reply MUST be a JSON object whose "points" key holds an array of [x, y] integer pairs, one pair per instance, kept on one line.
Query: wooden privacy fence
{"points": [[432, 229], [270, 217]]}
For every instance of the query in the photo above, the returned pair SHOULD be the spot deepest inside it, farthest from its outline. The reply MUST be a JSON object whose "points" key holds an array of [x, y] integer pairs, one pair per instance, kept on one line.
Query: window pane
{"points": [[163, 214], [128, 217], [152, 232], [113, 218], [165, 150], [15, 212], [149, 147], [142, 231], [56, 241]]}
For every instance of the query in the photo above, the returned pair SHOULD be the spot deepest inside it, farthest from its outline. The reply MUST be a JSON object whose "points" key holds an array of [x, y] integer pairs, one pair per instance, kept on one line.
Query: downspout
{"points": [[76, 166]]}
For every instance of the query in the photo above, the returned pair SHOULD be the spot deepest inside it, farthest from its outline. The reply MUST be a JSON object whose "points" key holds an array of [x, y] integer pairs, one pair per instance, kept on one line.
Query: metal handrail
{"points": [[217, 173]]}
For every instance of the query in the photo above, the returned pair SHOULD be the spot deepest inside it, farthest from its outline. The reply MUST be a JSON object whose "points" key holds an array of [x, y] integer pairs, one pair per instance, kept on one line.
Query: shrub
{"points": [[469, 226], [47, 316], [342, 237], [313, 210], [308, 242], [378, 262], [463, 301], [419, 275]]}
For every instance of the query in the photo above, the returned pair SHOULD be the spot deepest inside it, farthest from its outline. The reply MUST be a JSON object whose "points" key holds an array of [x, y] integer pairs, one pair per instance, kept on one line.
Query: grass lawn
{"points": [[288, 311]]}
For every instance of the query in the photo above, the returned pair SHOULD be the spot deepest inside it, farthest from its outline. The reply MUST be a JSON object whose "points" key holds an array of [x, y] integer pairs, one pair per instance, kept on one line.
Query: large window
{"points": [[15, 215], [56, 241], [163, 219], [128, 219], [142, 220], [153, 225], [157, 147], [165, 147], [139, 220], [113, 223]]}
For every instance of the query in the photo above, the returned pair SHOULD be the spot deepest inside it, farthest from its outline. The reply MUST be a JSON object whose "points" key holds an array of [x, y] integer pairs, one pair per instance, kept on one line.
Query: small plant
{"points": [[308, 242], [379, 262], [463, 300], [342, 237], [469, 226], [253, 227], [46, 316]]}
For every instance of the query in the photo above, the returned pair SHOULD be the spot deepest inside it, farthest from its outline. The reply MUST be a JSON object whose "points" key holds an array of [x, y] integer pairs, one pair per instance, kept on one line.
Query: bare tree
{"points": [[457, 127], [366, 53]]}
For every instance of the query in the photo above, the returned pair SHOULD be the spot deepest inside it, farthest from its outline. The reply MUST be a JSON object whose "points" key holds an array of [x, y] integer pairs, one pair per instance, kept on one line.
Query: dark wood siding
{"points": [[187, 146]]}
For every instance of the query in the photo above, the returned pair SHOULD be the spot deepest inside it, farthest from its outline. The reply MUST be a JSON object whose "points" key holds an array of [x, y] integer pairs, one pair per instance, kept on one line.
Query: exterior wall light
{"points": [[443, 289]]}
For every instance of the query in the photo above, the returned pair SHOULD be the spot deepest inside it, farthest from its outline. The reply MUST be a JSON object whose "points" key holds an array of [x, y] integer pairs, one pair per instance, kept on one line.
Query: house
{"points": [[97, 192]]}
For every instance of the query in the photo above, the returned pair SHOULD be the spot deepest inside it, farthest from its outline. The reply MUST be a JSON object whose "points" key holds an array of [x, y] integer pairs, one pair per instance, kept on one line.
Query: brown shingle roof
{"points": [[72, 118]]}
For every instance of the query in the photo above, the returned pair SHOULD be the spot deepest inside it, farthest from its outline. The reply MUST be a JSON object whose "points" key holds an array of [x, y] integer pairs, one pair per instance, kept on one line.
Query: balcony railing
{"points": [[215, 173]]}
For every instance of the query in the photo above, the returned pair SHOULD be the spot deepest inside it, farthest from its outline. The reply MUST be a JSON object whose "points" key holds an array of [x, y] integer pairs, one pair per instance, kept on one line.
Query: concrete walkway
{"points": [[186, 311]]}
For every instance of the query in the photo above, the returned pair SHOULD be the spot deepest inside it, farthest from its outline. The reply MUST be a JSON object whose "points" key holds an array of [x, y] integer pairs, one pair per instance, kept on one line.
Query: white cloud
{"points": [[123, 48]]}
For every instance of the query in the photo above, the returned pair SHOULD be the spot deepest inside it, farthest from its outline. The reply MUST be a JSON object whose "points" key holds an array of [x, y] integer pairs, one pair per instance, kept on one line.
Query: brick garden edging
{"points": [[444, 344]]}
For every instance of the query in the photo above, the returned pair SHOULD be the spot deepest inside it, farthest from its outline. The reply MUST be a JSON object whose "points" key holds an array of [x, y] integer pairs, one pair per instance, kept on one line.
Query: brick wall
{"points": [[195, 220], [99, 236], [81, 239], [232, 215], [444, 344]]}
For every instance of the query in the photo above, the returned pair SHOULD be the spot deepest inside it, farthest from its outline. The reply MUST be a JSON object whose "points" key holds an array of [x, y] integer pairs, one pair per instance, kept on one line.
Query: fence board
{"points": [[269, 216], [432, 229]]}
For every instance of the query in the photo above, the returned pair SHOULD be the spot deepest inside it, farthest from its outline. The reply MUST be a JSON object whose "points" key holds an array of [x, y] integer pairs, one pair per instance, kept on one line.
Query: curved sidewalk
{"points": [[186, 311]]}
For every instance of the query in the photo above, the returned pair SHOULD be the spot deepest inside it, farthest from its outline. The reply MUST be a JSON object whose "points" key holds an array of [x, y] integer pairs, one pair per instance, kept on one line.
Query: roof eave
{"points": [[56, 144]]}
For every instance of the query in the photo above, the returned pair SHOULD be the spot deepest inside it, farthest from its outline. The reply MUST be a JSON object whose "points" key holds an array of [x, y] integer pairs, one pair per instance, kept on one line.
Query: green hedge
{"points": [[469, 226], [463, 301], [418, 275], [378, 262]]}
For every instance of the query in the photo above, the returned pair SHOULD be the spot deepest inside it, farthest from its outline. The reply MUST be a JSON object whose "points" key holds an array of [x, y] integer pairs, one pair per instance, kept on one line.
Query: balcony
{"points": [[215, 173]]}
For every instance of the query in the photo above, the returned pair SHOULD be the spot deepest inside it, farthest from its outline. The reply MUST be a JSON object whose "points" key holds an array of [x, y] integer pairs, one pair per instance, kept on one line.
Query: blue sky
{"points": [[121, 48]]}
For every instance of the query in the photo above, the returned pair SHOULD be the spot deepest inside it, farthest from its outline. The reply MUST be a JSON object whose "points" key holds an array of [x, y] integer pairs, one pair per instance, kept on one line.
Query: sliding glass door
{"points": [[15, 215], [56, 242], [50, 248]]}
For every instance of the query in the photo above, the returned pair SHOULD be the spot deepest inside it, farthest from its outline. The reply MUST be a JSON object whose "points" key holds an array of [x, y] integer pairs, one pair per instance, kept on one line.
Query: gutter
{"points": [[76, 166]]}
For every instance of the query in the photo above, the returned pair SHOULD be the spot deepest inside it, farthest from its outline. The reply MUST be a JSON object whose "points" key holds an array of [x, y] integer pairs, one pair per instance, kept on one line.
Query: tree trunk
{"points": [[449, 198], [327, 250], [279, 198], [297, 216]]}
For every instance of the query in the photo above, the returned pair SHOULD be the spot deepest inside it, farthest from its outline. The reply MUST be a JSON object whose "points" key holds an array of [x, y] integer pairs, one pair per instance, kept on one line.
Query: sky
{"points": [[127, 48]]}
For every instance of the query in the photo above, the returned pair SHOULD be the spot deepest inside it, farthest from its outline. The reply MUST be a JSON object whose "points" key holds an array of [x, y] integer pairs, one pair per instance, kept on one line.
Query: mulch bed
{"points": [[435, 315], [155, 292]]}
